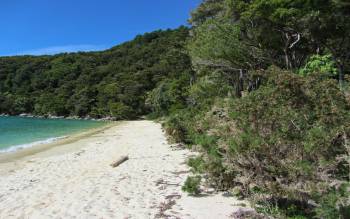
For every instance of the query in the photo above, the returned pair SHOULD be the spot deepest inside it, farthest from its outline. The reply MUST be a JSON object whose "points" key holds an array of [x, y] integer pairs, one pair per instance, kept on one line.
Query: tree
{"points": [[208, 9], [295, 29]]}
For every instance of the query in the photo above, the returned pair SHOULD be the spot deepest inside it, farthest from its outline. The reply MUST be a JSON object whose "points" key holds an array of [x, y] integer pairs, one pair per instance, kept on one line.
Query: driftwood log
{"points": [[119, 161]]}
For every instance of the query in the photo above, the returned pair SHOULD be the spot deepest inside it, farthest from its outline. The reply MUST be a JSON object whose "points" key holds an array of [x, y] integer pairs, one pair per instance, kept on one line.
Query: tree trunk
{"points": [[240, 84], [341, 76]]}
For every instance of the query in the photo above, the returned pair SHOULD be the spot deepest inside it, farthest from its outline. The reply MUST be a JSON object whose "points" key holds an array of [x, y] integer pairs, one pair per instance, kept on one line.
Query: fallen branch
{"points": [[161, 181], [119, 161]]}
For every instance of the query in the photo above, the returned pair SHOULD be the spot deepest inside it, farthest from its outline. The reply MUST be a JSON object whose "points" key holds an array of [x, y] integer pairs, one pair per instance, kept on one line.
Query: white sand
{"points": [[80, 183]]}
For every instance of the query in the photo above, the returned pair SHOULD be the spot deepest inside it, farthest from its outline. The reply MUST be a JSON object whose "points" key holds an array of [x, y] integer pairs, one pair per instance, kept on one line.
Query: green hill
{"points": [[111, 83]]}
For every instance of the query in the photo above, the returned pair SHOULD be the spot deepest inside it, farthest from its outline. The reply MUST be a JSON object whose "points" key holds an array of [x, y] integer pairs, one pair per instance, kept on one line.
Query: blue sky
{"points": [[52, 26]]}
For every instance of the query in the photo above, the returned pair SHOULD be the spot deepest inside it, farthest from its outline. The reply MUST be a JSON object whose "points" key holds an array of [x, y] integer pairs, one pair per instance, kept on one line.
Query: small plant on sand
{"points": [[192, 184]]}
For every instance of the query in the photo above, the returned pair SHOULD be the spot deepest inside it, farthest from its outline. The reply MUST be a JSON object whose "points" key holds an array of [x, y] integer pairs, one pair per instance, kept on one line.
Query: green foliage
{"points": [[112, 83], [323, 65], [168, 96], [284, 142], [206, 10], [293, 131], [197, 164], [178, 125], [291, 212], [206, 89], [286, 139], [120, 111], [217, 42], [289, 31], [192, 184]]}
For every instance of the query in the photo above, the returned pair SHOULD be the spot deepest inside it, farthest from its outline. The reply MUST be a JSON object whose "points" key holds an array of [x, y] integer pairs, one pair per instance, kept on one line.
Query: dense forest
{"points": [[112, 83], [259, 88]]}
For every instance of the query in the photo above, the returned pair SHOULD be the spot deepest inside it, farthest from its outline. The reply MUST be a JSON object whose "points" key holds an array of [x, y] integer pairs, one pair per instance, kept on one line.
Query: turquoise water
{"points": [[18, 133]]}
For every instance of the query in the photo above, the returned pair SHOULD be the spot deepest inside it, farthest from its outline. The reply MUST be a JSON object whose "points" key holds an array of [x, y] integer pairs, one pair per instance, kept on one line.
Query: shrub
{"points": [[284, 146], [177, 126], [182, 125], [292, 142], [192, 184], [197, 164]]}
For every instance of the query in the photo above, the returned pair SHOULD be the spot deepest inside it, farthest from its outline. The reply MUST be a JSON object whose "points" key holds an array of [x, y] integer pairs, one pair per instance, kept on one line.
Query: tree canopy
{"points": [[111, 83]]}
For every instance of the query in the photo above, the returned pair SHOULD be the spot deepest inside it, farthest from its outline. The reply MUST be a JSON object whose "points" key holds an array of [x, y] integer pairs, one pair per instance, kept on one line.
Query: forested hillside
{"points": [[259, 88], [111, 83]]}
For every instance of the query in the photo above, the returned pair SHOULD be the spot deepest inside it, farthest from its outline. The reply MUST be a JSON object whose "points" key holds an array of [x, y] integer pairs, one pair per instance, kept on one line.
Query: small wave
{"points": [[29, 145]]}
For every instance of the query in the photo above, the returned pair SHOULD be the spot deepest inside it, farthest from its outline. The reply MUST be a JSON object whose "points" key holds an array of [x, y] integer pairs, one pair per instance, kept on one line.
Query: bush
{"points": [[192, 185], [292, 143], [180, 124], [197, 164], [284, 146]]}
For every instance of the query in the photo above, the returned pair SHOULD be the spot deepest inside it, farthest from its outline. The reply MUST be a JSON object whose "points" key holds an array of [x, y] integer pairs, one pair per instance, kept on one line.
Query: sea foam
{"points": [[29, 145]]}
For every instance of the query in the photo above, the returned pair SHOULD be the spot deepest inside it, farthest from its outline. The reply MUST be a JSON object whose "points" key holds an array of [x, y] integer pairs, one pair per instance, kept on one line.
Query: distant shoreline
{"points": [[28, 115]]}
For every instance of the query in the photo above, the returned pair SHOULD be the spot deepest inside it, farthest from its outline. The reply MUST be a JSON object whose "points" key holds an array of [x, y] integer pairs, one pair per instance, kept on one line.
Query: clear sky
{"points": [[52, 26]]}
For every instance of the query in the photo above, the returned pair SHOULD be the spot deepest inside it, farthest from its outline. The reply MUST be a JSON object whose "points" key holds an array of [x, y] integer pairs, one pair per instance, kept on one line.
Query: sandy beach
{"points": [[76, 179]]}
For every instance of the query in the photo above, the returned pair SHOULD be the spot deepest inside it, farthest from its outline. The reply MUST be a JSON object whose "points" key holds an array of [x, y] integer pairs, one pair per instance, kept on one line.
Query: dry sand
{"points": [[75, 180]]}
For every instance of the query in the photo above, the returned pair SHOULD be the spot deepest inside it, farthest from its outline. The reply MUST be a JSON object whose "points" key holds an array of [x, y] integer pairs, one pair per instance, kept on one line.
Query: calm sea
{"points": [[18, 132]]}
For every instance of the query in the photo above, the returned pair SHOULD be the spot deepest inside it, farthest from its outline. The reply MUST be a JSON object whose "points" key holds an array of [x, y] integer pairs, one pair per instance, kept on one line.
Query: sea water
{"points": [[18, 132]]}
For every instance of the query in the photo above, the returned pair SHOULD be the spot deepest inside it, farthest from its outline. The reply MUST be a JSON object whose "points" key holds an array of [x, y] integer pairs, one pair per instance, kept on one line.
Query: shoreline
{"points": [[12, 156]]}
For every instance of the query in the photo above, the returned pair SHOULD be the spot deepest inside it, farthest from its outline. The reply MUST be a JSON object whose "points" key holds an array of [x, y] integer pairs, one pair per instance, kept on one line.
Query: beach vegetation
{"points": [[267, 112], [192, 185]]}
